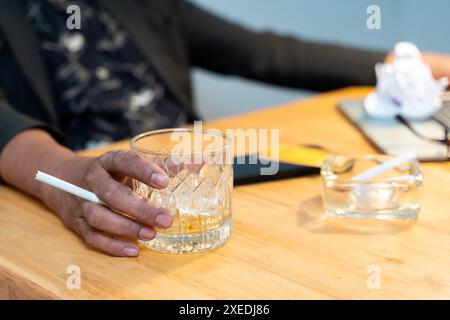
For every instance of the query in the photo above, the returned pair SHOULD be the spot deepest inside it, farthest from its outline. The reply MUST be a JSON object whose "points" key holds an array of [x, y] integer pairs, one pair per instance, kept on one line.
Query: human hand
{"points": [[127, 217], [439, 63]]}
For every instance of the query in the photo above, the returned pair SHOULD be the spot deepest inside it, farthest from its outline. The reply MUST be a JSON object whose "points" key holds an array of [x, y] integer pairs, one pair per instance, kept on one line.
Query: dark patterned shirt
{"points": [[104, 90]]}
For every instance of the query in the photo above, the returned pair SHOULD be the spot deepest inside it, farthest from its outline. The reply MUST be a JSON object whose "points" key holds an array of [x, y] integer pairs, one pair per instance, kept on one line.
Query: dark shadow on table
{"points": [[312, 217]]}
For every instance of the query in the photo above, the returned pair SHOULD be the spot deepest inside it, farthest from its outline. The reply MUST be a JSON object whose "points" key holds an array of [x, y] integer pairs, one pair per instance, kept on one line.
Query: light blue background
{"points": [[424, 22]]}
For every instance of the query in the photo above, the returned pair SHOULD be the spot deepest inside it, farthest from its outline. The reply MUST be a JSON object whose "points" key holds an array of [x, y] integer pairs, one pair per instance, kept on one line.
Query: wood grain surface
{"points": [[281, 246]]}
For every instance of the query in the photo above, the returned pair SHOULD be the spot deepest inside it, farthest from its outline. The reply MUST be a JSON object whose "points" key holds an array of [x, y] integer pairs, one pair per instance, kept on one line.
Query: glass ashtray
{"points": [[393, 195]]}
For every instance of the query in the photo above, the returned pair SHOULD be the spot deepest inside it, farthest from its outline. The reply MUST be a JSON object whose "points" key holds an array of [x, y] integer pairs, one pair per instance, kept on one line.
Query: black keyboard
{"points": [[443, 116]]}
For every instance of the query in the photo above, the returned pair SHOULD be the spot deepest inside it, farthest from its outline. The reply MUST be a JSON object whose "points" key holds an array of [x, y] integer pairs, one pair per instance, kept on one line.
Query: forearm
{"points": [[228, 48], [33, 150]]}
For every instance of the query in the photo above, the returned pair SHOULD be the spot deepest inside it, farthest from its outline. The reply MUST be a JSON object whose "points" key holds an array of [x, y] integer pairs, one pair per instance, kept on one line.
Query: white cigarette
{"points": [[373, 172], [67, 187]]}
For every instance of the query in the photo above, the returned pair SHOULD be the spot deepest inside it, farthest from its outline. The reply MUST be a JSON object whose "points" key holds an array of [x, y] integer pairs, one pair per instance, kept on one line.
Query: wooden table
{"points": [[280, 247]]}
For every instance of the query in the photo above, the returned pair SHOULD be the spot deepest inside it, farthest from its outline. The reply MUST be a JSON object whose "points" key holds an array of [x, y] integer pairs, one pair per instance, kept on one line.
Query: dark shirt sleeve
{"points": [[13, 122], [227, 48]]}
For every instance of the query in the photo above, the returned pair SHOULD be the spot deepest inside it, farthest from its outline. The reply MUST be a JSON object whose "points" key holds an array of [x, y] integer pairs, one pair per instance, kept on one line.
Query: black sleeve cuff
{"points": [[12, 122]]}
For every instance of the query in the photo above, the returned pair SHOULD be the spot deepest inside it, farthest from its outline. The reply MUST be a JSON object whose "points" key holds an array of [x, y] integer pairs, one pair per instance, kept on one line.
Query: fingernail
{"points": [[160, 179], [146, 234], [130, 251], [163, 221]]}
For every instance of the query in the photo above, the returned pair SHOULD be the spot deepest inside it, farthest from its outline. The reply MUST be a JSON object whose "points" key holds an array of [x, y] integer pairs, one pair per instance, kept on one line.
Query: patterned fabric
{"points": [[104, 90]]}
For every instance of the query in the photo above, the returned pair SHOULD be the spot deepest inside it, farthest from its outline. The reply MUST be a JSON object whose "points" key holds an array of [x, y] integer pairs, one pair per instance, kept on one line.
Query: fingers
{"points": [[102, 242], [128, 163], [194, 167], [103, 219], [173, 167], [121, 198]]}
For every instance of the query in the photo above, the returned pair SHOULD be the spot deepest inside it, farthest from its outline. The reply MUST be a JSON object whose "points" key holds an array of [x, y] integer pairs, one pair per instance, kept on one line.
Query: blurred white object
{"points": [[405, 87]]}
